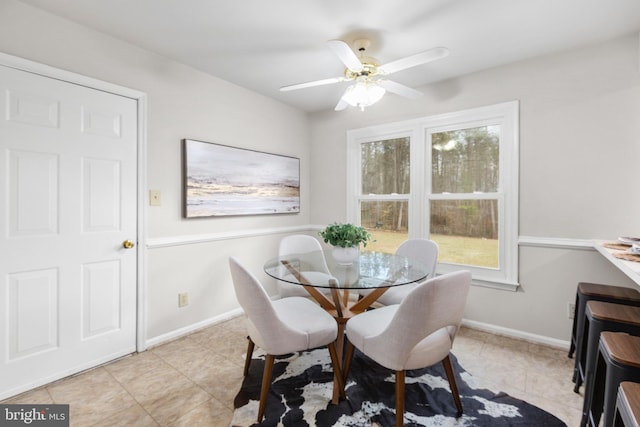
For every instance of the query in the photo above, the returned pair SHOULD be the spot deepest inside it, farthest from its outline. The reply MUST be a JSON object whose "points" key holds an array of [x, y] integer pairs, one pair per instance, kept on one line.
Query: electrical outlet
{"points": [[571, 309], [183, 299]]}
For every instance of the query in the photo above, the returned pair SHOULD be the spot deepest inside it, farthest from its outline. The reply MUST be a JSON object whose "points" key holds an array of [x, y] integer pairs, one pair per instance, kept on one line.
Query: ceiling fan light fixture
{"points": [[363, 94]]}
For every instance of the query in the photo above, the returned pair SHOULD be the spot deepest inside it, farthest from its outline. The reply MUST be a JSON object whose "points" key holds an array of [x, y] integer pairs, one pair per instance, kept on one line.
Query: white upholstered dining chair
{"points": [[284, 326], [416, 333], [423, 251], [302, 244]]}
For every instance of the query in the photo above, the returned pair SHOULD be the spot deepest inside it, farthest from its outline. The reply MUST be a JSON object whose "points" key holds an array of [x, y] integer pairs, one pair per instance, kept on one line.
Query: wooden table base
{"points": [[341, 308]]}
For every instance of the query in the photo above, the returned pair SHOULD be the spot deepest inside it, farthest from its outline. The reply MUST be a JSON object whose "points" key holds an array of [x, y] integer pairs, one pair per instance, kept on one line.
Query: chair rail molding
{"points": [[164, 242], [556, 242]]}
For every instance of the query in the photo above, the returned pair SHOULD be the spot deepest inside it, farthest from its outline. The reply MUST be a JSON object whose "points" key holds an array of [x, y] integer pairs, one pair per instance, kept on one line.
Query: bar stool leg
{"points": [[584, 351], [617, 417], [582, 334], [594, 394], [574, 332], [587, 369]]}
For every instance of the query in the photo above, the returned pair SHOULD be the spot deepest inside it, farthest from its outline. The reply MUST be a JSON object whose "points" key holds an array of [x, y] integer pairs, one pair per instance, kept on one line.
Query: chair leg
{"points": [[337, 373], [400, 398], [247, 360], [266, 382], [446, 362], [348, 357]]}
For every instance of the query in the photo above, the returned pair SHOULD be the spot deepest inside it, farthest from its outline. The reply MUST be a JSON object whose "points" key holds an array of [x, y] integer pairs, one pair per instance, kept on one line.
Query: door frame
{"points": [[141, 208]]}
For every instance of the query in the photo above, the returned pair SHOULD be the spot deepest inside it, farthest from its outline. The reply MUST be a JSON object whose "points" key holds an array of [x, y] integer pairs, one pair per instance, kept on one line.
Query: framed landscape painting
{"points": [[220, 181]]}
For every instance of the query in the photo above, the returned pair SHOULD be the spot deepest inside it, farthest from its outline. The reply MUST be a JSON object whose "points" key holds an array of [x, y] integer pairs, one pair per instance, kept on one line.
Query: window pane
{"points": [[466, 231], [387, 223], [465, 160], [385, 166]]}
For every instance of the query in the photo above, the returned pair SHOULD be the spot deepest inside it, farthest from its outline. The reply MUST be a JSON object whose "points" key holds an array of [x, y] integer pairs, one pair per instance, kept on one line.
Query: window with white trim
{"points": [[452, 178]]}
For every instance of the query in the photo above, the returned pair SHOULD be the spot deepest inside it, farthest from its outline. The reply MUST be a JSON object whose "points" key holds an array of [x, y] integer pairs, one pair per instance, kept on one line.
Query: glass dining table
{"points": [[345, 289], [373, 272]]}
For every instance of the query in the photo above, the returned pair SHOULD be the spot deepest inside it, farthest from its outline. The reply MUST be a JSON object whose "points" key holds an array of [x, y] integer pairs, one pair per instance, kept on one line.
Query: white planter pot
{"points": [[345, 256]]}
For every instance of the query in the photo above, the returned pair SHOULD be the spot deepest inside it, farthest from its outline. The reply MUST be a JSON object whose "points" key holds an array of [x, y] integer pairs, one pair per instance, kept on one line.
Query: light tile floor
{"points": [[192, 381]]}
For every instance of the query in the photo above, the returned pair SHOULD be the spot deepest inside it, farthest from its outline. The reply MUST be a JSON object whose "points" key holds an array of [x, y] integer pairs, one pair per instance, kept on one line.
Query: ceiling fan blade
{"points": [[399, 89], [341, 105], [346, 55], [414, 60], [312, 84]]}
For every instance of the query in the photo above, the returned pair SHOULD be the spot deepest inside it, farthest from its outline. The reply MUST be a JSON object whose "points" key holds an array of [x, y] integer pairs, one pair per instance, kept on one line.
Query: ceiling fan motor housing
{"points": [[369, 69]]}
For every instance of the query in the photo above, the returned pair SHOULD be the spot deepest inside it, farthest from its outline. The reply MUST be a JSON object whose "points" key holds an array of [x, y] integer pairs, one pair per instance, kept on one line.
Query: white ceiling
{"points": [[265, 44]]}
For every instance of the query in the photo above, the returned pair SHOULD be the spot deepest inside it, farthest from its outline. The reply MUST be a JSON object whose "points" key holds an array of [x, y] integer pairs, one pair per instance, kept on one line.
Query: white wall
{"points": [[182, 103], [579, 152], [579, 149]]}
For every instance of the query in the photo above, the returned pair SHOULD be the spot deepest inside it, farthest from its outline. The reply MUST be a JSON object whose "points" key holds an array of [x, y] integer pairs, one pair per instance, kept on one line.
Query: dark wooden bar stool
{"points": [[618, 360], [627, 405], [594, 292], [600, 317]]}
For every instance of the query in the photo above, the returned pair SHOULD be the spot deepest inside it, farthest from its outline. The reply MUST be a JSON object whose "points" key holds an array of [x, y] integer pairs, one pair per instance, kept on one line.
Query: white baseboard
{"points": [[178, 333], [513, 333], [485, 327]]}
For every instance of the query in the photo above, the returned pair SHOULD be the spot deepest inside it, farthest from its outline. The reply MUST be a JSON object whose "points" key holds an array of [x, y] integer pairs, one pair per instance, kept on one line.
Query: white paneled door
{"points": [[68, 183]]}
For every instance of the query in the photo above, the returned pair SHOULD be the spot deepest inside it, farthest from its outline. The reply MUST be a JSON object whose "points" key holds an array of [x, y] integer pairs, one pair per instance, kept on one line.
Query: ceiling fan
{"points": [[369, 76]]}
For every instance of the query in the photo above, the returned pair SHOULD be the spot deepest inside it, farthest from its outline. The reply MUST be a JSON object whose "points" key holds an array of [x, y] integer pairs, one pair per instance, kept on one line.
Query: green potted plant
{"points": [[345, 235], [346, 240]]}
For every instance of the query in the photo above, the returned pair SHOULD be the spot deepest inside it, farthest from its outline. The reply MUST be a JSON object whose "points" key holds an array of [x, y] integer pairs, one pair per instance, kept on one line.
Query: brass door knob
{"points": [[128, 244]]}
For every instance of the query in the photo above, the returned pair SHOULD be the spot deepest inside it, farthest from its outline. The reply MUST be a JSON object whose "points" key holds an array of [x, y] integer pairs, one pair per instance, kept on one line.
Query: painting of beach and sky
{"points": [[222, 180]]}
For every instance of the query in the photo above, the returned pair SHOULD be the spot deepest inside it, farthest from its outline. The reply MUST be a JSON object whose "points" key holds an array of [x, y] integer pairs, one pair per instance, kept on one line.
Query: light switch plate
{"points": [[155, 198], [183, 299]]}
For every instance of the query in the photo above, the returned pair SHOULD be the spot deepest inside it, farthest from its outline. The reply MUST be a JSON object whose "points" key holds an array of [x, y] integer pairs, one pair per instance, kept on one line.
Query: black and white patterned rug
{"points": [[301, 392]]}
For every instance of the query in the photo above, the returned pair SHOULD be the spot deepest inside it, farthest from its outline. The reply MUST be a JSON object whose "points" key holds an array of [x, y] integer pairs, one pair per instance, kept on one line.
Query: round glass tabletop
{"points": [[369, 270]]}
